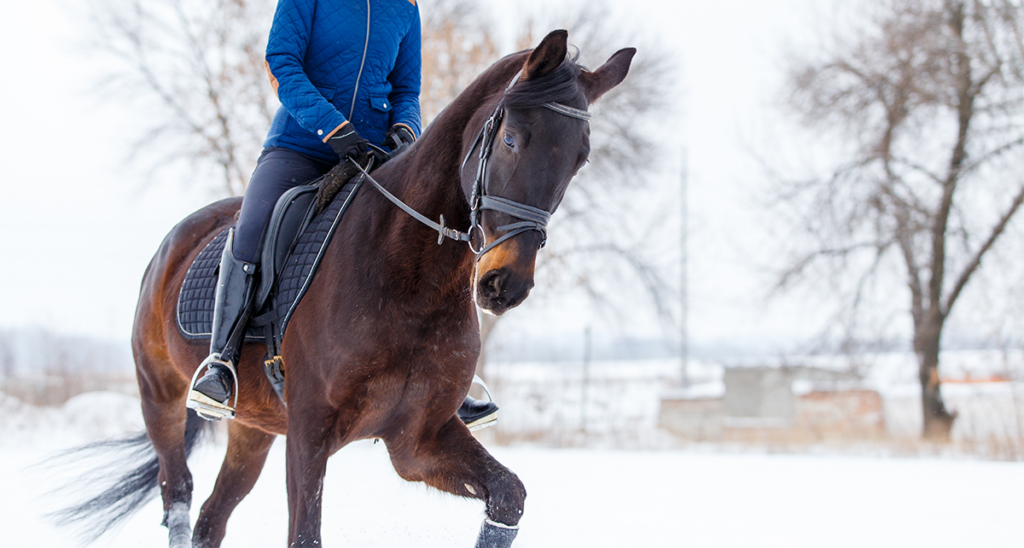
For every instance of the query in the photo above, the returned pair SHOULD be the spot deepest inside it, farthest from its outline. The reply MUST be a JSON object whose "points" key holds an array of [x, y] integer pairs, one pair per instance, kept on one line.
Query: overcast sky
{"points": [[78, 225]]}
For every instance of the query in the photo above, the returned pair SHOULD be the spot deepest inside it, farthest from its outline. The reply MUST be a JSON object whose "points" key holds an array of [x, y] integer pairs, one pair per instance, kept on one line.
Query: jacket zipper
{"points": [[359, 75]]}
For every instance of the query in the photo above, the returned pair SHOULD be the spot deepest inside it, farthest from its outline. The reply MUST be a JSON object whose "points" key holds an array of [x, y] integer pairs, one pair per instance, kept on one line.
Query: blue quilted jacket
{"points": [[334, 62]]}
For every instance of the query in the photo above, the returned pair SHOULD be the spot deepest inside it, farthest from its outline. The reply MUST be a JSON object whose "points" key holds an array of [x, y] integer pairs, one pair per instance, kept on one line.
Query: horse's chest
{"points": [[430, 340], [404, 335]]}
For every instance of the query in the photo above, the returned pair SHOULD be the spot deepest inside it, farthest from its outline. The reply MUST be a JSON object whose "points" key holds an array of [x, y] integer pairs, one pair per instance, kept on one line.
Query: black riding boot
{"points": [[478, 413], [210, 395]]}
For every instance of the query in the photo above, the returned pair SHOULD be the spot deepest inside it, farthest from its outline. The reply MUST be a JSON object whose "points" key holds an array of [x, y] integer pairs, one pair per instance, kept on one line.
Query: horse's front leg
{"points": [[452, 460], [307, 450]]}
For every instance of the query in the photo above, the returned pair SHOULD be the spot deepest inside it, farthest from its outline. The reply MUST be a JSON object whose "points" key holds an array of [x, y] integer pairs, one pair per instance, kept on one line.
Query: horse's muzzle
{"points": [[501, 289]]}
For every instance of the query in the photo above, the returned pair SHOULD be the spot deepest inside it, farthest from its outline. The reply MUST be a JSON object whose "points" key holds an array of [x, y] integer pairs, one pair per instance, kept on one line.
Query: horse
{"points": [[385, 342]]}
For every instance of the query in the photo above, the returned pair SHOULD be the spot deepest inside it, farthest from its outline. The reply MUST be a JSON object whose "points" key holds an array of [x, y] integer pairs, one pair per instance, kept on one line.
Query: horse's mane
{"points": [[559, 86]]}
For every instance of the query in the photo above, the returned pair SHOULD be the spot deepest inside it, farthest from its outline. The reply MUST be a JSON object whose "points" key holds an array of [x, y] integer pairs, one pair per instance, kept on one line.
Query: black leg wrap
{"points": [[496, 535]]}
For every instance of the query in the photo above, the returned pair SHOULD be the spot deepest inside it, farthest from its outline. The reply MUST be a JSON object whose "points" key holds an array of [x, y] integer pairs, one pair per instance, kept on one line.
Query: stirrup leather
{"points": [[205, 407]]}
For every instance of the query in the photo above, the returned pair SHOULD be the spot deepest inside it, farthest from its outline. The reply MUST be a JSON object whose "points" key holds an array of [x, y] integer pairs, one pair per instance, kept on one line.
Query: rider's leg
{"points": [[277, 171], [211, 394]]}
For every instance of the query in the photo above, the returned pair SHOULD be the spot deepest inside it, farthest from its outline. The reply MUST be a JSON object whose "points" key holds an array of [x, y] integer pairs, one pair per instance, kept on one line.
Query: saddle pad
{"points": [[196, 298]]}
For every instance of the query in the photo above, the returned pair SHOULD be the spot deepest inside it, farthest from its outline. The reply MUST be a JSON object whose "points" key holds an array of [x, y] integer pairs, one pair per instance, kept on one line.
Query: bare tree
{"points": [[927, 99], [458, 44], [197, 68], [8, 359]]}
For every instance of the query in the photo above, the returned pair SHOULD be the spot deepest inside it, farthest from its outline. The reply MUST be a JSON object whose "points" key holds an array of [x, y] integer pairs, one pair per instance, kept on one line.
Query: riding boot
{"points": [[478, 413], [211, 394]]}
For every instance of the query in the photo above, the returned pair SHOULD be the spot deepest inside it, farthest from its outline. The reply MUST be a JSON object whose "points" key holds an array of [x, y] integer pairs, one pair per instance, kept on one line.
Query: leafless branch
{"points": [[975, 260]]}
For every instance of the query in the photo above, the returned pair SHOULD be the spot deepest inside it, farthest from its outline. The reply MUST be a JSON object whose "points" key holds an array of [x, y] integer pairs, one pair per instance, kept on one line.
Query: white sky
{"points": [[78, 226]]}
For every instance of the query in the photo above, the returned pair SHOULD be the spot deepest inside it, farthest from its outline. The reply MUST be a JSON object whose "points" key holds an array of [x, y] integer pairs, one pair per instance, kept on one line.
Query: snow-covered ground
{"points": [[577, 497]]}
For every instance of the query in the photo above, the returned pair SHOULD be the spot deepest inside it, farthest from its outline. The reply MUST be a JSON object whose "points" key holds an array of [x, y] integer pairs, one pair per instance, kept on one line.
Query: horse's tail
{"points": [[124, 495]]}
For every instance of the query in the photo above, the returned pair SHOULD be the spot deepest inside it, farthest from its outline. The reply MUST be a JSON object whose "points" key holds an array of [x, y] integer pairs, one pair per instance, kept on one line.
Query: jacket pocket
{"points": [[380, 102]]}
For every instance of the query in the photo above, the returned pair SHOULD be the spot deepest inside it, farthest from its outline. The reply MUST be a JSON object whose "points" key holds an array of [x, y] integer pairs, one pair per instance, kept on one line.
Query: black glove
{"points": [[347, 143], [399, 138]]}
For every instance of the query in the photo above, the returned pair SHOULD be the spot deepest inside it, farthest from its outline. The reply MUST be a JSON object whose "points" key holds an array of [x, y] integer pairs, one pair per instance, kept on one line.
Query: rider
{"points": [[347, 73]]}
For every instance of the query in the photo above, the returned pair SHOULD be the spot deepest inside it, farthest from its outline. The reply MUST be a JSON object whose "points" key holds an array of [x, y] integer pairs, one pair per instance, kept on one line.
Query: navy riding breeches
{"points": [[277, 170]]}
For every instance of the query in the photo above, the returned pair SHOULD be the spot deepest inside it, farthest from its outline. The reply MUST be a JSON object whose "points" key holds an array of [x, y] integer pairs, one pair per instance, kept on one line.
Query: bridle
{"points": [[529, 217]]}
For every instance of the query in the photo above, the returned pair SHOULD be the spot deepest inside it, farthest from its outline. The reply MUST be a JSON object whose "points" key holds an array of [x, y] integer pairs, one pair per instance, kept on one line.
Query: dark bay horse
{"points": [[385, 342]]}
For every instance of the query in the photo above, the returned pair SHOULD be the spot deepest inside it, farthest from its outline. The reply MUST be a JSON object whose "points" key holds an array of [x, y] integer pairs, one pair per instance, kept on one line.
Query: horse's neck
{"points": [[403, 252], [428, 179], [432, 188]]}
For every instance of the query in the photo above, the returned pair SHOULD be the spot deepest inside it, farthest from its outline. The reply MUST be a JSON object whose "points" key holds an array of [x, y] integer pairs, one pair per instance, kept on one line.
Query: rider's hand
{"points": [[399, 138], [347, 143]]}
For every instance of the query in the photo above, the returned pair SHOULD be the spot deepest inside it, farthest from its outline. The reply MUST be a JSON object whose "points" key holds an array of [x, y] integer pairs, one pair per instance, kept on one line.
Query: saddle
{"points": [[301, 226]]}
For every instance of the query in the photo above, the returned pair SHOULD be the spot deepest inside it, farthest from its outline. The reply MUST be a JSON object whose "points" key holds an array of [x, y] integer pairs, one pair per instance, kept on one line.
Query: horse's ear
{"points": [[609, 75], [547, 55]]}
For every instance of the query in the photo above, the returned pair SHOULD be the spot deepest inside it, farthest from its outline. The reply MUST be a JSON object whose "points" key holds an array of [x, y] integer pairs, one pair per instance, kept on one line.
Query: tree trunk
{"points": [[487, 323], [938, 421]]}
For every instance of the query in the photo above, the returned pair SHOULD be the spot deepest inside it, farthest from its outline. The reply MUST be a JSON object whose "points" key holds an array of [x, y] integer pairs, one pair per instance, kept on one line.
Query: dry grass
{"points": [[55, 388], [46, 369]]}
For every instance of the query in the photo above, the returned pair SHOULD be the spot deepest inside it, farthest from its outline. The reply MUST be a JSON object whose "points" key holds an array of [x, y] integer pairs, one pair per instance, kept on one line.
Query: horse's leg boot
{"points": [[478, 413], [496, 535], [210, 395]]}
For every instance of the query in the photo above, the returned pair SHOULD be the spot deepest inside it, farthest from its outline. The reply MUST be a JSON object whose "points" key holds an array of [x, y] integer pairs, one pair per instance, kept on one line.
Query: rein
{"points": [[442, 231], [530, 218]]}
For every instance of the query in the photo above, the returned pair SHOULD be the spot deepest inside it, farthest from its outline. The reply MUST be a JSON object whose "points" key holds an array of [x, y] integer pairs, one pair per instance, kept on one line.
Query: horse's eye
{"points": [[509, 140]]}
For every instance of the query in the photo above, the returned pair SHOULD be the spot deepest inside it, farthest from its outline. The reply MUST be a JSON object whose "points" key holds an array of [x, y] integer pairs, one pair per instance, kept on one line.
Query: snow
{"points": [[577, 497]]}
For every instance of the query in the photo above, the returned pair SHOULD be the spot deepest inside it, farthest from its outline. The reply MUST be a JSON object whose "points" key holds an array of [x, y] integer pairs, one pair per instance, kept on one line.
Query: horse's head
{"points": [[539, 140]]}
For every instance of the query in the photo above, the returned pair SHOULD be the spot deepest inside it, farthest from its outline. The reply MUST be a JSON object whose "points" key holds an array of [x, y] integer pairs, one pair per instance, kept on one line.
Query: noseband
{"points": [[529, 217]]}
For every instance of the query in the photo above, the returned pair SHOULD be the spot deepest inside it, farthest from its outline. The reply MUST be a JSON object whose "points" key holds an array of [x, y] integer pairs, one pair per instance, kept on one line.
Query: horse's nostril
{"points": [[500, 290], [492, 283]]}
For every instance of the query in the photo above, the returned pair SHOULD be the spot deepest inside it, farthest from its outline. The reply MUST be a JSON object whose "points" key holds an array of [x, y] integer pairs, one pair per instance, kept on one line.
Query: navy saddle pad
{"points": [[294, 272]]}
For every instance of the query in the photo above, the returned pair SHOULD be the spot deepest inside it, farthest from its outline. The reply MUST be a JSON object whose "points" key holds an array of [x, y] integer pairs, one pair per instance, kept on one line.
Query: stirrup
{"points": [[489, 420], [205, 407]]}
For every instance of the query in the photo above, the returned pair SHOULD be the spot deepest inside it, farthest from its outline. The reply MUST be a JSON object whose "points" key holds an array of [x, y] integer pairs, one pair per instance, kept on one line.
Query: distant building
{"points": [[776, 404]]}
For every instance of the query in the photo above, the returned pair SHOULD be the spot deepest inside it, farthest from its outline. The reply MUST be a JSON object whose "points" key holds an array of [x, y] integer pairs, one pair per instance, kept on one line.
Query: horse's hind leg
{"points": [[172, 433], [453, 461], [246, 454]]}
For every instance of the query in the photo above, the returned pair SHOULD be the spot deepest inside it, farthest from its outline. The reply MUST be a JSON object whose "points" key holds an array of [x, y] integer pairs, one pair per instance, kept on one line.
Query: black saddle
{"points": [[300, 229]]}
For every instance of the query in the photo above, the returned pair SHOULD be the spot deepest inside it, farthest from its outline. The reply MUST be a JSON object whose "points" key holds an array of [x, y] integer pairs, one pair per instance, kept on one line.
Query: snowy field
{"points": [[577, 497]]}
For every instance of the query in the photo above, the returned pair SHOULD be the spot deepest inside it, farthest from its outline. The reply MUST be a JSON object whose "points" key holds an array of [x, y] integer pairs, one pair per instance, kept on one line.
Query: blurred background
{"points": [[799, 228]]}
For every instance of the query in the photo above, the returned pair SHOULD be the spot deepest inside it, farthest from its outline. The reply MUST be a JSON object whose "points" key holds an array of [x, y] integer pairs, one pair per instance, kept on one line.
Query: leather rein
{"points": [[529, 217]]}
